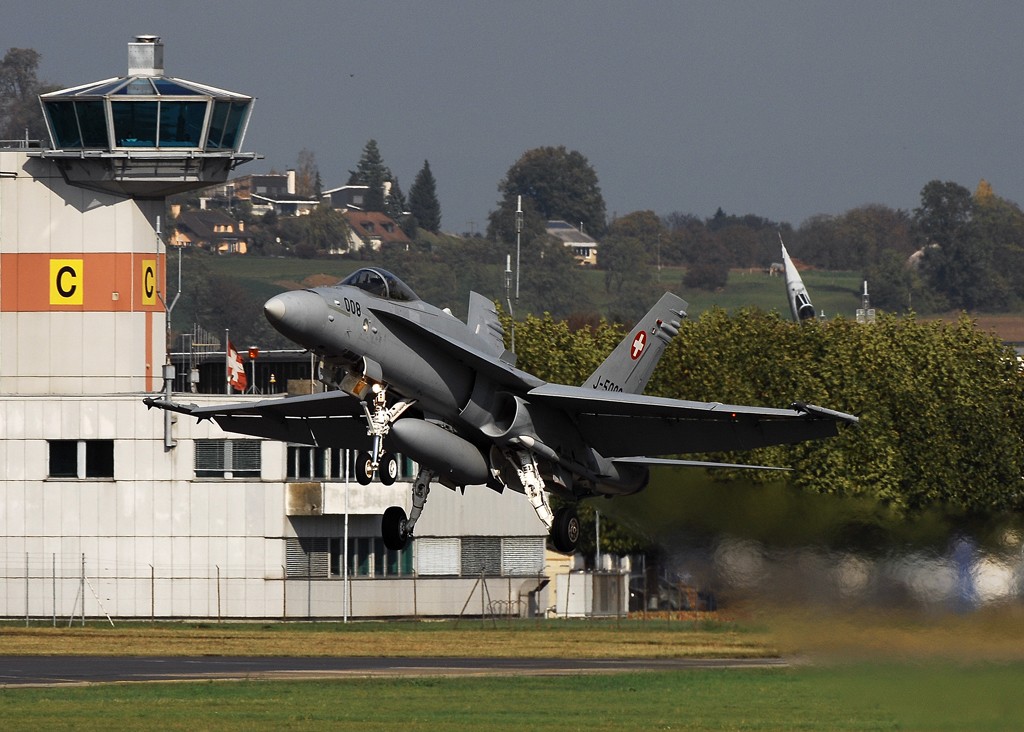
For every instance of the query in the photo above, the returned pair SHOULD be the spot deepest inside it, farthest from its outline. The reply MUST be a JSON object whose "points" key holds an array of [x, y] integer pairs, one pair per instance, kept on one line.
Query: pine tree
{"points": [[423, 201], [371, 172]]}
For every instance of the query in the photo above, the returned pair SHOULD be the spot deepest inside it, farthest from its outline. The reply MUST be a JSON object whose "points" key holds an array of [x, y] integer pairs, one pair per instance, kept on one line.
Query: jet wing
{"points": [[329, 419], [499, 371], [631, 425]]}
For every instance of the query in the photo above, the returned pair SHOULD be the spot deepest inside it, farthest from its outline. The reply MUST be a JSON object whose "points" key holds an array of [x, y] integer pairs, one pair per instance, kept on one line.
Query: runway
{"points": [[22, 671]]}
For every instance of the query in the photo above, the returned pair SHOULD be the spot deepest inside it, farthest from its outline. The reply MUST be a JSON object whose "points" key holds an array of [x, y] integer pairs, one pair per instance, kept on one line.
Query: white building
{"points": [[107, 507]]}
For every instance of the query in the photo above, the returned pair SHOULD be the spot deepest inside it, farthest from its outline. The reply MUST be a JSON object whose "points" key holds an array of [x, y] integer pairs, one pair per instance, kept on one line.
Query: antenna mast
{"points": [[519, 231]]}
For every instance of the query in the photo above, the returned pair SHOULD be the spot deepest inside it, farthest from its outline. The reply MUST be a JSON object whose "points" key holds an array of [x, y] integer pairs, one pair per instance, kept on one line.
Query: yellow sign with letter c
{"points": [[149, 282], [66, 281]]}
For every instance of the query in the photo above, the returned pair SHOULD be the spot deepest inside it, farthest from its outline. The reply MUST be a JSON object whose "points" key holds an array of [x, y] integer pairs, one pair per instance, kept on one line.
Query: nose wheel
{"points": [[386, 469]]}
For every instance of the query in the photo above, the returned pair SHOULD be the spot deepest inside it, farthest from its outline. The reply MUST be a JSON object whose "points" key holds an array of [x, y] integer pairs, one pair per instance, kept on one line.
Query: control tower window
{"points": [[181, 123], [134, 123], [225, 124], [78, 124], [64, 123]]}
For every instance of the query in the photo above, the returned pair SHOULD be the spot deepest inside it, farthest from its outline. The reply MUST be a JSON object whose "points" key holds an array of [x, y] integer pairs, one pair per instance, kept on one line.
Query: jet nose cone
{"points": [[275, 310], [299, 314]]}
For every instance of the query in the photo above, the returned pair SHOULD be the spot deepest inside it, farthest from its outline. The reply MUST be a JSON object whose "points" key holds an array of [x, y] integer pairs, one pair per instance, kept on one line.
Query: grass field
{"points": [[848, 671], [873, 697]]}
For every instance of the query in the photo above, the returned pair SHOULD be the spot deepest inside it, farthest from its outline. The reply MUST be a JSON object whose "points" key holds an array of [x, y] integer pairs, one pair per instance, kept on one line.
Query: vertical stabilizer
{"points": [[629, 367], [484, 322], [799, 301]]}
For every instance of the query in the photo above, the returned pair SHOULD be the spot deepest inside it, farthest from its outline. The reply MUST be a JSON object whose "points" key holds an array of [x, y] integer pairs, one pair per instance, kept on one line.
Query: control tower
{"points": [[82, 267]]}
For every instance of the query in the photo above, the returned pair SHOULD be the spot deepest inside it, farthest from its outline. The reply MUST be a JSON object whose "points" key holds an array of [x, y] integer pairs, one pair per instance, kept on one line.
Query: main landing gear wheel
{"points": [[393, 528], [565, 530], [388, 469], [364, 468]]}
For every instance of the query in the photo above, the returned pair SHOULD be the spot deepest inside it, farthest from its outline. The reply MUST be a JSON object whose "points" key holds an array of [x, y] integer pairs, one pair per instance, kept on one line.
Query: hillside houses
{"points": [[213, 230], [214, 227]]}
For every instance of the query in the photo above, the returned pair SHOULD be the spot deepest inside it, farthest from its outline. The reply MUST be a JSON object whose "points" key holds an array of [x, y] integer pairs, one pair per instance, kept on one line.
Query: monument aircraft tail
{"points": [[629, 366]]}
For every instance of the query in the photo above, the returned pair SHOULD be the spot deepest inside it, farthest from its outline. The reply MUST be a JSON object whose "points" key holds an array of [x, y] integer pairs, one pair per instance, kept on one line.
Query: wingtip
{"points": [[814, 410]]}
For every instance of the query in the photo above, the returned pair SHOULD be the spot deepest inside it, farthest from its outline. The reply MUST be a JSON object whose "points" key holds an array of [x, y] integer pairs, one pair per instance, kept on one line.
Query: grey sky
{"points": [[781, 109]]}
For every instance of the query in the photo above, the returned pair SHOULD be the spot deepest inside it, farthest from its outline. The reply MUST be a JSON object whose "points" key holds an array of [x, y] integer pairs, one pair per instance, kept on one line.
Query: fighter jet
{"points": [[405, 376], [799, 300]]}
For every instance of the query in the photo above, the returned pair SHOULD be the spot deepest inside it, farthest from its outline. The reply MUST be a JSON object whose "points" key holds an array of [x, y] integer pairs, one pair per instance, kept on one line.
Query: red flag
{"points": [[236, 369]]}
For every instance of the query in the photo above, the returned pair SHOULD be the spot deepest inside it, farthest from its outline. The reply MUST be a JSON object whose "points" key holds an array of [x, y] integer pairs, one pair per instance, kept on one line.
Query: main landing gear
{"points": [[395, 528], [565, 530], [563, 524]]}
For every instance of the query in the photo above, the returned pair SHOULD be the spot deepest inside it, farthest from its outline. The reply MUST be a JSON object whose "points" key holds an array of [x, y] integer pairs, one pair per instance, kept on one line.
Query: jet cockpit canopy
{"points": [[381, 283]]}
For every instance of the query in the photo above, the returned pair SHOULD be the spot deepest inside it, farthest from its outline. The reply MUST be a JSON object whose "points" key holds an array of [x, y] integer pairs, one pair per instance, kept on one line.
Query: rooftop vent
{"points": [[146, 56]]}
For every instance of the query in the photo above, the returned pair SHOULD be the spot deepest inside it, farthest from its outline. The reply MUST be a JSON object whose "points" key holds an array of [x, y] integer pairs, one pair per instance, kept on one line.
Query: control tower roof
{"points": [[146, 135]]}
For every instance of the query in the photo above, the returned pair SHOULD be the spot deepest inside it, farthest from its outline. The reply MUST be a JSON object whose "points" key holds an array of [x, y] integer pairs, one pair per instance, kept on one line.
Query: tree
{"points": [[307, 175], [646, 228], [552, 281], [20, 114], [423, 203], [371, 172], [962, 256], [323, 230], [944, 212], [395, 205], [560, 184]]}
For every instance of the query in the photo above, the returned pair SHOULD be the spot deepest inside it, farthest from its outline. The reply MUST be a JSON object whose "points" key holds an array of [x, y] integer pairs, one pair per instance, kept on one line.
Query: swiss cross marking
{"points": [[639, 343]]}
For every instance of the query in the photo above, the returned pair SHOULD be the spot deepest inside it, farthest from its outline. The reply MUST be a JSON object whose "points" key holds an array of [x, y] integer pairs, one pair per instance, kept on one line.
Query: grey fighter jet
{"points": [[404, 376]]}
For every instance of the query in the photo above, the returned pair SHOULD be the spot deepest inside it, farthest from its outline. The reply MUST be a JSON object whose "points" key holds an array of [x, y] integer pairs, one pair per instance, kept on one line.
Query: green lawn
{"points": [[883, 697]]}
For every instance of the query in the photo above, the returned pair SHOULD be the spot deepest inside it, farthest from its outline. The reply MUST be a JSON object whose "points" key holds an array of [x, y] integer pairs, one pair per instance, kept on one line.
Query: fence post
{"points": [[53, 588], [26, 589], [152, 594]]}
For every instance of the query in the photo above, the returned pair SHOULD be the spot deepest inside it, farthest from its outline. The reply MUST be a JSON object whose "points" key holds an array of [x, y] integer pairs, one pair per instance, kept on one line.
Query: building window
{"points": [[79, 459], [228, 459], [368, 557], [481, 555], [306, 556], [319, 557], [469, 556], [328, 464]]}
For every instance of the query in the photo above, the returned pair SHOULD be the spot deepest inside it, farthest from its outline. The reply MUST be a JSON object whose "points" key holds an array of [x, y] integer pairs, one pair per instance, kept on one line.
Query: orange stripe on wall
{"points": [[109, 282], [149, 351]]}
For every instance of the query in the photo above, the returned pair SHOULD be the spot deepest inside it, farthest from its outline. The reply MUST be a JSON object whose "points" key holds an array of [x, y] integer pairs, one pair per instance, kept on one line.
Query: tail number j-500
{"points": [[606, 384]]}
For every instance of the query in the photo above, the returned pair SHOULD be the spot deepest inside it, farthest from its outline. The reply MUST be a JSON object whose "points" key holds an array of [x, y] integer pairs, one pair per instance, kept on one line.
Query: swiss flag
{"points": [[236, 369]]}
